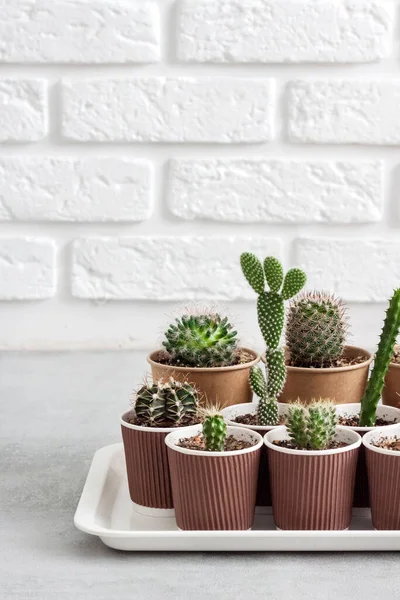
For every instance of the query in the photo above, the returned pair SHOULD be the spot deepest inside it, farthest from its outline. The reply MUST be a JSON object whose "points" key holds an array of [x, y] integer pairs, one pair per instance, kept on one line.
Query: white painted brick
{"points": [[67, 189], [27, 268], [358, 270], [95, 31], [283, 31], [344, 111], [164, 268], [159, 109], [23, 110], [274, 191]]}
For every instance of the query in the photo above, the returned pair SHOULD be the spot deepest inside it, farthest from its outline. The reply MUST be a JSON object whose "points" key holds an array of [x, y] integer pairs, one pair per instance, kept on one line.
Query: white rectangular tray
{"points": [[105, 509]]}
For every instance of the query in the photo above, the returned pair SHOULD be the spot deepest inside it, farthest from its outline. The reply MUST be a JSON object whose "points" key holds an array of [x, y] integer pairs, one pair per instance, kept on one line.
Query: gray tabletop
{"points": [[57, 409]]}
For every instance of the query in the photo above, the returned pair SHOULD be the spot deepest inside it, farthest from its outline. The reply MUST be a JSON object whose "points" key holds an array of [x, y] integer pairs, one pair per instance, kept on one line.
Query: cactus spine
{"points": [[214, 430], [271, 316], [383, 357], [204, 340], [166, 403], [312, 427], [316, 330]]}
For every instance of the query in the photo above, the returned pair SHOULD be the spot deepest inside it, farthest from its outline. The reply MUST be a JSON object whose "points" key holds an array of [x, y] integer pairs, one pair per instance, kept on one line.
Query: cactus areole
{"points": [[271, 316]]}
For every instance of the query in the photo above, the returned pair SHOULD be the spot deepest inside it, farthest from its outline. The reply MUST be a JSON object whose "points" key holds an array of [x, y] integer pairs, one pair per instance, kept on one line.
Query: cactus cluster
{"points": [[271, 316], [316, 330], [382, 361], [203, 340], [214, 430], [312, 427], [166, 404]]}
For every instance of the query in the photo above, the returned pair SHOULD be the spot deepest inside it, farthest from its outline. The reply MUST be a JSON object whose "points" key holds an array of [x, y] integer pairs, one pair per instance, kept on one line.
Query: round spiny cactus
{"points": [[166, 403], [204, 340], [312, 427], [316, 330], [214, 430]]}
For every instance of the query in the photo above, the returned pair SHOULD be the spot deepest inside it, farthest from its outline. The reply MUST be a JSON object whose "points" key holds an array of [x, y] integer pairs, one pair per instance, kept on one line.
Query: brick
{"points": [[344, 112], [277, 31], [164, 268], [359, 270], [23, 110], [76, 31], [27, 268], [159, 109], [276, 191], [67, 189]]}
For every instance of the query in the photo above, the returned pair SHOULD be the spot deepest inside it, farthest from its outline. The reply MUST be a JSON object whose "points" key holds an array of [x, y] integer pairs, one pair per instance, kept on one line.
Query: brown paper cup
{"points": [[361, 492], [391, 391], [312, 490], [214, 490], [222, 385], [384, 480], [342, 384]]}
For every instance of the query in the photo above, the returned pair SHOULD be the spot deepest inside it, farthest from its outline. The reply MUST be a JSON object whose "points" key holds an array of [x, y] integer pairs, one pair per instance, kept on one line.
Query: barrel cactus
{"points": [[203, 340], [383, 357], [214, 430], [271, 316], [166, 404], [316, 330], [312, 427]]}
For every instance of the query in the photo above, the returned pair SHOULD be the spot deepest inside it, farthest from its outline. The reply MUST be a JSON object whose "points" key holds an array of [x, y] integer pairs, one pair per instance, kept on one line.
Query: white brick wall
{"points": [[145, 143]]}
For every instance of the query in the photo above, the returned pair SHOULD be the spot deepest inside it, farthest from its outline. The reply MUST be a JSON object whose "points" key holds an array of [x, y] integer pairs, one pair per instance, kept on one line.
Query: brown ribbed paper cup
{"points": [[384, 479], [214, 490], [220, 385], [312, 490], [361, 491], [230, 413], [147, 467]]}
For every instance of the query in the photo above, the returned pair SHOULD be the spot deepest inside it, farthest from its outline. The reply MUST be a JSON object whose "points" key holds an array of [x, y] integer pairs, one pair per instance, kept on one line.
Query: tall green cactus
{"points": [[271, 316], [383, 357], [214, 430]]}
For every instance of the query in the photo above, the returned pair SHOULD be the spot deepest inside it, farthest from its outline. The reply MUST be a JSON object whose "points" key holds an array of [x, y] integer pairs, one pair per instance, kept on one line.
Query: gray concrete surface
{"points": [[57, 409]]}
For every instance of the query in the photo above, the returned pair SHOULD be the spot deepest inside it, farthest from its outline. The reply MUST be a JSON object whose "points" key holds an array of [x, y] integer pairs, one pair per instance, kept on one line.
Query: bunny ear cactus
{"points": [[214, 430], [383, 357], [267, 407], [271, 317]]}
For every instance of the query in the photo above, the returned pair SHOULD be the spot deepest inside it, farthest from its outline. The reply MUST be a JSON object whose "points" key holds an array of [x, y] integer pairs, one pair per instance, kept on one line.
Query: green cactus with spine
{"points": [[312, 427], [316, 330], [271, 317], [382, 361], [203, 340], [267, 407], [166, 404], [214, 430]]}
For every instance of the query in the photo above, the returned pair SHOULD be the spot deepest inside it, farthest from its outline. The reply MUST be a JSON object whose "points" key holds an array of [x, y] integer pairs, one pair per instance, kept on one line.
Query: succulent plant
{"points": [[271, 316], [267, 407], [166, 404], [383, 357], [312, 427], [316, 330], [214, 429], [203, 340]]}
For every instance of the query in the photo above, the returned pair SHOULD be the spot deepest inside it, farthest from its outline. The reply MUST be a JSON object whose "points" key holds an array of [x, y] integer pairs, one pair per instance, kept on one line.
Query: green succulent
{"points": [[312, 427], [166, 403]]}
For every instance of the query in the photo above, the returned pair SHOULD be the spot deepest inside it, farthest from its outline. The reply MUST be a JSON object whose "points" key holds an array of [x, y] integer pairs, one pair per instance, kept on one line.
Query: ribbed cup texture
{"points": [[384, 489], [312, 492], [147, 468], [214, 493]]}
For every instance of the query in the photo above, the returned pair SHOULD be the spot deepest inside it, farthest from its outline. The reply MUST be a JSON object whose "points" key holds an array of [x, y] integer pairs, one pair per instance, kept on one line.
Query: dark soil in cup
{"points": [[344, 361], [240, 357], [387, 443], [354, 421], [290, 446], [252, 419], [231, 443], [141, 422]]}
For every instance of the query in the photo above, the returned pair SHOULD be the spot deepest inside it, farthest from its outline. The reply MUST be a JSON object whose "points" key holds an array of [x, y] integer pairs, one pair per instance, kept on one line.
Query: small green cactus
{"points": [[166, 404], [316, 330], [267, 407], [214, 430], [312, 427], [382, 361], [271, 316], [203, 340]]}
